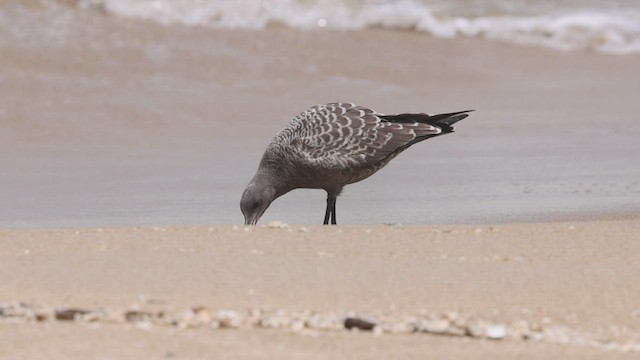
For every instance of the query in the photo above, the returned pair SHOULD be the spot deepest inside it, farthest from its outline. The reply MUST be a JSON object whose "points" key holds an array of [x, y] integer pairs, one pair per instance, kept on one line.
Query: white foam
{"points": [[616, 32]]}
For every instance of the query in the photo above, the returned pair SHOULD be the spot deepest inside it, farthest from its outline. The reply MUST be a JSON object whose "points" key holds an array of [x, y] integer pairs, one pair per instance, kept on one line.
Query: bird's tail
{"points": [[443, 121], [446, 121]]}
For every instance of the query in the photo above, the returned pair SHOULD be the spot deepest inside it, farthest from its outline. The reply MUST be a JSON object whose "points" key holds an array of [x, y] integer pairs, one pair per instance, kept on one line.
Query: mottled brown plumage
{"points": [[330, 146]]}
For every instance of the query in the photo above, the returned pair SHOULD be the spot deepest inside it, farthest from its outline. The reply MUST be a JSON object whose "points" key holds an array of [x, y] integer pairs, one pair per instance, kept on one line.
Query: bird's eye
{"points": [[255, 205]]}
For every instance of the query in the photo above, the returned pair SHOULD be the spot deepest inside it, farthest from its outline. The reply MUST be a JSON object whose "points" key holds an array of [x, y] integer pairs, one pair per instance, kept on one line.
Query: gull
{"points": [[333, 145]]}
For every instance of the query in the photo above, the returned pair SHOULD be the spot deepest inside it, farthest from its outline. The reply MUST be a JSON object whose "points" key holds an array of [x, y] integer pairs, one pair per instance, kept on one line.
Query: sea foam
{"points": [[614, 30]]}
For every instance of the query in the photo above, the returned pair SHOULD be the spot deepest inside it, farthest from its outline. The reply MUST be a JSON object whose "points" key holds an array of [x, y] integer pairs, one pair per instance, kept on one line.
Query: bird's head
{"points": [[256, 199]]}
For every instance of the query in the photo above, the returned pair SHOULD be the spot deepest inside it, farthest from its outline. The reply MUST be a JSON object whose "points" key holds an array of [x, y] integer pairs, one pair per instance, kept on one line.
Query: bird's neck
{"points": [[274, 179]]}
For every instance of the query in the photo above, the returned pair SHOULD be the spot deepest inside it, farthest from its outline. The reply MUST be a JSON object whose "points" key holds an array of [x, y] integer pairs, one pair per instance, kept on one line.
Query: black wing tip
{"points": [[455, 118], [446, 119], [453, 114]]}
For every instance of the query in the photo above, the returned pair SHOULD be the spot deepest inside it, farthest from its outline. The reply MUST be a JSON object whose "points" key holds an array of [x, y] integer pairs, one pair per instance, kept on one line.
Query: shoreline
{"points": [[142, 125], [621, 215]]}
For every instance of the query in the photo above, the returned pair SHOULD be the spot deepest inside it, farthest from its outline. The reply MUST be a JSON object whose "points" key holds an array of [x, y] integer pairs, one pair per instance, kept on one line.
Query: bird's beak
{"points": [[251, 221], [248, 220]]}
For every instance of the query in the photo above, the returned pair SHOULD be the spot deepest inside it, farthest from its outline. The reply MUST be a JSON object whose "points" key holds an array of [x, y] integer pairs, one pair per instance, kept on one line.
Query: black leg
{"points": [[333, 212], [327, 212]]}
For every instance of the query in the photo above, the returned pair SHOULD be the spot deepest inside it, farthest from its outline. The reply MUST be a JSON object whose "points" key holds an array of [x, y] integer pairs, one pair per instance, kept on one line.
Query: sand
{"points": [[125, 146], [572, 283]]}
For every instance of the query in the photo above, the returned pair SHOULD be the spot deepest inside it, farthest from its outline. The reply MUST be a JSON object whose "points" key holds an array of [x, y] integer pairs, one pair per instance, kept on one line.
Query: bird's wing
{"points": [[342, 133]]}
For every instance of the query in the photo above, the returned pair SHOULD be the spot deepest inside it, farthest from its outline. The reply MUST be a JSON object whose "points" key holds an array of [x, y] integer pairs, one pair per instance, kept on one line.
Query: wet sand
{"points": [[108, 122], [574, 281]]}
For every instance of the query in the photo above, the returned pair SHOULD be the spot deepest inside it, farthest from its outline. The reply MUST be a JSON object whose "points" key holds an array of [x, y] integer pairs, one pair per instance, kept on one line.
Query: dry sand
{"points": [[573, 285]]}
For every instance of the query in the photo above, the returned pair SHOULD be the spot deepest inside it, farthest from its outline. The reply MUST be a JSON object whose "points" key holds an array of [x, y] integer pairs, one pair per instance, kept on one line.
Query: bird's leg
{"points": [[333, 213], [327, 212], [331, 209]]}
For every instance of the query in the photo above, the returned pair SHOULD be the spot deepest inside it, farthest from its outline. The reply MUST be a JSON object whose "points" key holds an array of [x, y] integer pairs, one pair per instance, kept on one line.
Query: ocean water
{"points": [[605, 26]]}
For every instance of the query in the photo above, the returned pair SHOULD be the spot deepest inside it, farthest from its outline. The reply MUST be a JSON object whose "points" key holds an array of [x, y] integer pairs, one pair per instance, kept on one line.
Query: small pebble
{"points": [[69, 314], [439, 326], [496, 332], [357, 323]]}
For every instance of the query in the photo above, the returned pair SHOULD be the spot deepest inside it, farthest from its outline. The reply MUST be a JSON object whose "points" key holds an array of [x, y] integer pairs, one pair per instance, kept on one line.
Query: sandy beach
{"points": [[556, 289], [125, 146]]}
